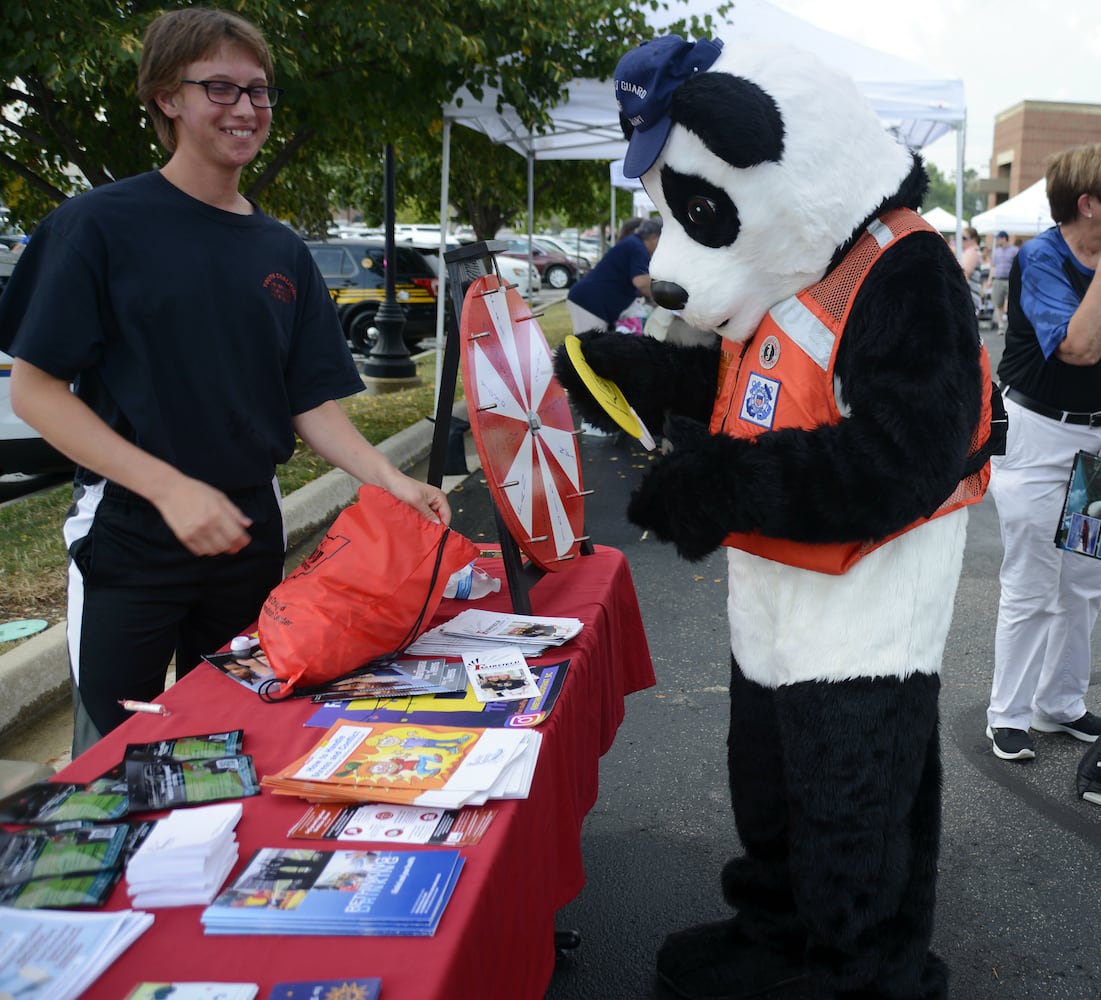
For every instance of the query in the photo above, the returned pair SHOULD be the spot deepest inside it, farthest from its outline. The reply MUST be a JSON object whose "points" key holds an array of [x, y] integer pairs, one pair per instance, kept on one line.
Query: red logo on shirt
{"points": [[280, 287]]}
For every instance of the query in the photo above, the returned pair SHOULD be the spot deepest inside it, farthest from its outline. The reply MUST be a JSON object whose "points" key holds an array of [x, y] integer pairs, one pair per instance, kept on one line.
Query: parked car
{"points": [[555, 269], [355, 273], [518, 271], [21, 448], [8, 261], [581, 252], [514, 270]]}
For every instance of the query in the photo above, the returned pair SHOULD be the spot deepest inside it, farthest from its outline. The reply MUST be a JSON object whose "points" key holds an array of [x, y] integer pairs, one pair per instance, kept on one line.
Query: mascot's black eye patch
{"points": [[733, 117], [704, 210]]}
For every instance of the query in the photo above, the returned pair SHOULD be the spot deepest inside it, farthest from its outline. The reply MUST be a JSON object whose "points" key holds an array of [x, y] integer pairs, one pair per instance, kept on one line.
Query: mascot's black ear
{"points": [[733, 117]]}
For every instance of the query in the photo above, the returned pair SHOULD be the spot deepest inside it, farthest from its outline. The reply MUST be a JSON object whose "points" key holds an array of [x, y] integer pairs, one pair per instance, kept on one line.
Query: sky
{"points": [[1005, 51]]}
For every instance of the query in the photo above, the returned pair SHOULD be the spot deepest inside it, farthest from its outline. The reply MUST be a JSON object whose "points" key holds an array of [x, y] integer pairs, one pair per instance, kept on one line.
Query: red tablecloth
{"points": [[495, 941]]}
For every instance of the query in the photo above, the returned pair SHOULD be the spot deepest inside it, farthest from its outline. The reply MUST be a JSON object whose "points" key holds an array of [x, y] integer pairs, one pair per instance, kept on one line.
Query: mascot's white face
{"points": [[772, 161]]}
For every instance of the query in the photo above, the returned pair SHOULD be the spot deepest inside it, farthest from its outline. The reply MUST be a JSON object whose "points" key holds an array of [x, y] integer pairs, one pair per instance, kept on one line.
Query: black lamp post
{"points": [[389, 357]]}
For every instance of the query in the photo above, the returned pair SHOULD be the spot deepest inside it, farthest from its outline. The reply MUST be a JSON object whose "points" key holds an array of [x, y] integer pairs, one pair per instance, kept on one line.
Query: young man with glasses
{"points": [[199, 339]]}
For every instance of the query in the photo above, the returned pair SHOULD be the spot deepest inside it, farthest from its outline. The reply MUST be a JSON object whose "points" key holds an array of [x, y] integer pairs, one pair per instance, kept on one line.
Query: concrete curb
{"points": [[35, 675]]}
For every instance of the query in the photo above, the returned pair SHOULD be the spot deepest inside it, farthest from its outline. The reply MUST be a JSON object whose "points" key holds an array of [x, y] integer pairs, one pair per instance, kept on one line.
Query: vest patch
{"points": [[759, 401], [769, 354]]}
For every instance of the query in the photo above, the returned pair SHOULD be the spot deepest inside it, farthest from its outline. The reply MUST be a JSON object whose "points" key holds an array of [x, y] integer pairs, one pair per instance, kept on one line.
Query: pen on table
{"points": [[143, 706]]}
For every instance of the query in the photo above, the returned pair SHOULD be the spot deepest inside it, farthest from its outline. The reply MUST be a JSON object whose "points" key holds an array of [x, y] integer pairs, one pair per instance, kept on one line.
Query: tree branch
{"points": [[279, 161], [49, 108], [32, 178]]}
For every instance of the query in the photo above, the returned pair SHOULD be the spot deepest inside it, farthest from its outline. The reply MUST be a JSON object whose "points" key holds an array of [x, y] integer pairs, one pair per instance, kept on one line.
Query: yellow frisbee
{"points": [[608, 395]]}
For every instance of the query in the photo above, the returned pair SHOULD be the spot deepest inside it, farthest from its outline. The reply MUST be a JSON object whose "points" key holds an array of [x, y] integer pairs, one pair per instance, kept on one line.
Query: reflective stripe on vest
{"points": [[783, 376]]}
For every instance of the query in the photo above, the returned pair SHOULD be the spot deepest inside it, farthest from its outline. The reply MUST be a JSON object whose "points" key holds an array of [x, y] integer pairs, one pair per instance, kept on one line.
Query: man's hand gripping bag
{"points": [[367, 591]]}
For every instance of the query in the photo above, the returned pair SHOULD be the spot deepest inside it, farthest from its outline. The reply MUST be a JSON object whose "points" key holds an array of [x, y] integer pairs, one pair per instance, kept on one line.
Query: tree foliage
{"points": [[358, 74], [942, 192]]}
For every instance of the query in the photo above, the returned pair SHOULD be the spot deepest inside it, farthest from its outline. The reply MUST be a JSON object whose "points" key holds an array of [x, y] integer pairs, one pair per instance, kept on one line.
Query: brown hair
{"points": [[1070, 174], [180, 37]]}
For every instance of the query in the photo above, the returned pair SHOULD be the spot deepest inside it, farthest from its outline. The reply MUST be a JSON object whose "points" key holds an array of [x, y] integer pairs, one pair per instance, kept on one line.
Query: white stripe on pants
{"points": [[1049, 598]]}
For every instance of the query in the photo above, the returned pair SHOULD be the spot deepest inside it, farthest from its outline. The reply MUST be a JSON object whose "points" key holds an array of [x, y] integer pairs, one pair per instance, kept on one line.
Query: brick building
{"points": [[1026, 134]]}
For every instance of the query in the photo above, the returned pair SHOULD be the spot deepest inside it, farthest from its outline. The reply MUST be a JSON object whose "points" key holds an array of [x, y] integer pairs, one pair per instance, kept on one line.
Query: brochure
{"points": [[500, 675], [61, 892], [57, 802], [475, 631], [401, 679], [1079, 528], [250, 669], [193, 747], [434, 766], [461, 709], [394, 824], [512, 628], [193, 991], [327, 989], [301, 891], [157, 782], [57, 956], [35, 853]]}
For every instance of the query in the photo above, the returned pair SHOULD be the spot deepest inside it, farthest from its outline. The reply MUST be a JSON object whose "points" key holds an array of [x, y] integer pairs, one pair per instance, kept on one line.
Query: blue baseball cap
{"points": [[644, 83]]}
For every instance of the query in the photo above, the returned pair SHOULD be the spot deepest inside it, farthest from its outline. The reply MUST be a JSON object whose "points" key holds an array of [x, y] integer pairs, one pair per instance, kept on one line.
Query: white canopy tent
{"points": [[940, 220], [916, 104], [1025, 214], [641, 205]]}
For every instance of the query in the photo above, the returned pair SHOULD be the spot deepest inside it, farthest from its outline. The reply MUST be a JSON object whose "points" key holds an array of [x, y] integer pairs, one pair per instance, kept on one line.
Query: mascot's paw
{"points": [[720, 962], [682, 497], [642, 368]]}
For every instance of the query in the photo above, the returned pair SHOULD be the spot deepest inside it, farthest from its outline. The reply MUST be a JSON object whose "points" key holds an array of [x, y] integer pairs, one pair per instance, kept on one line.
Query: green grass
{"points": [[32, 552]]}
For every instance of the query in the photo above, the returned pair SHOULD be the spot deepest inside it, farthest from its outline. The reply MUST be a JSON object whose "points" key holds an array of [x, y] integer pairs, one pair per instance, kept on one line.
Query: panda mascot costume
{"points": [[832, 445]]}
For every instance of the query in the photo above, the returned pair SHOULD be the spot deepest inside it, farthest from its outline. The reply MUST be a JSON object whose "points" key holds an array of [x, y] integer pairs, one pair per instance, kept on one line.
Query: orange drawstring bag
{"points": [[367, 591]]}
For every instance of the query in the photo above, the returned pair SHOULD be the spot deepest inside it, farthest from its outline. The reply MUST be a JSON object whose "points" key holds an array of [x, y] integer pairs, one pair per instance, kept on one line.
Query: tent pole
{"points": [[531, 218], [445, 178], [960, 131]]}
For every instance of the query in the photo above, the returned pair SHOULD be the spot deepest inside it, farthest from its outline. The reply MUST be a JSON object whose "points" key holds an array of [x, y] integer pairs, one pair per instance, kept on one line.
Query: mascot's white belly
{"points": [[888, 616]]}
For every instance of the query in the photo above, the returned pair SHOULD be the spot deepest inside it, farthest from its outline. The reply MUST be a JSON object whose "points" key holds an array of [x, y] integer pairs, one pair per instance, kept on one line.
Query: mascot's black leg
{"points": [[761, 948], [862, 759], [836, 794]]}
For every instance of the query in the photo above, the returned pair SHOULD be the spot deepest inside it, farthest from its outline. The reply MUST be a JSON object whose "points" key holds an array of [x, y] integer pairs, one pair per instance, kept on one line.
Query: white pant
{"points": [[583, 320], [1049, 598]]}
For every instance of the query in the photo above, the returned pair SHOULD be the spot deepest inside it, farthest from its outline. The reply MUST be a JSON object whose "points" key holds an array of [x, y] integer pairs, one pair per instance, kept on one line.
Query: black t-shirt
{"points": [[195, 333]]}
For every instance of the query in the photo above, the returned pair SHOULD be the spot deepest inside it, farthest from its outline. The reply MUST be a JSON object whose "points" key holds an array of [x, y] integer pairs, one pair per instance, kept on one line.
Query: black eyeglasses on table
{"points": [[224, 92]]}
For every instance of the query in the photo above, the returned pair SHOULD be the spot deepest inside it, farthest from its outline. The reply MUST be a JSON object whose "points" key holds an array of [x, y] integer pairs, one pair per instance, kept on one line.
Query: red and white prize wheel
{"points": [[522, 424]]}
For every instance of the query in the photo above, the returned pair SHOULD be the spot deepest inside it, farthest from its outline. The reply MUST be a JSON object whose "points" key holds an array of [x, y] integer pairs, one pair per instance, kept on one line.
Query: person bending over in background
{"points": [[620, 277]]}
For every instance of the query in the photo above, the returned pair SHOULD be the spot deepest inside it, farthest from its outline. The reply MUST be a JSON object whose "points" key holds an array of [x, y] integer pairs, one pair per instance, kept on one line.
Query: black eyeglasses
{"points": [[224, 92]]}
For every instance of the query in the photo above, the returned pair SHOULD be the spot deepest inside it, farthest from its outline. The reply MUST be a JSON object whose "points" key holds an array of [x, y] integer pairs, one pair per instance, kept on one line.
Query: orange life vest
{"points": [[783, 376]]}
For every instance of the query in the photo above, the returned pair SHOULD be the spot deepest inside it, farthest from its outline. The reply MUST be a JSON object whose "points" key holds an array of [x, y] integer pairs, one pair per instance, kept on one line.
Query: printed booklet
{"points": [[327, 989], [302, 891], [1079, 528], [193, 991], [437, 766]]}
